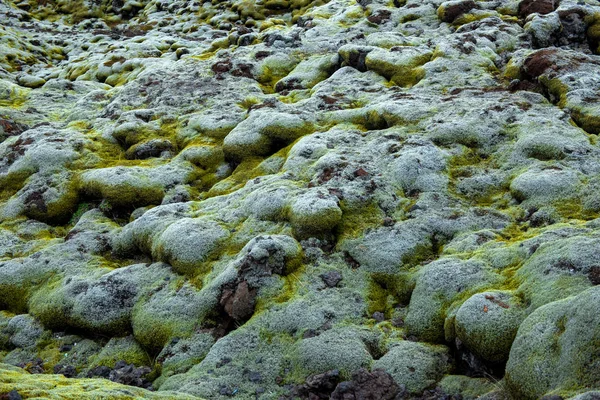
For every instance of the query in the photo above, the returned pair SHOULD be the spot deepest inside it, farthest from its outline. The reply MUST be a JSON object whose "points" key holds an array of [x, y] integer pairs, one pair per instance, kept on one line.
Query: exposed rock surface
{"points": [[282, 199]]}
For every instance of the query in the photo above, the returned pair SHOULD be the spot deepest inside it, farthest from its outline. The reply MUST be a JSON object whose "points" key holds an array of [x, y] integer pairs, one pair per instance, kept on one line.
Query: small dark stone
{"points": [[246, 40], [102, 372], [378, 316], [288, 84], [223, 361], [380, 16], [377, 384], [67, 370], [331, 278], [150, 149], [225, 391], [254, 377], [527, 7], [398, 322], [239, 303], [317, 386], [357, 59], [539, 63], [129, 374], [594, 275], [454, 11], [65, 347], [310, 333], [221, 67], [14, 395]]}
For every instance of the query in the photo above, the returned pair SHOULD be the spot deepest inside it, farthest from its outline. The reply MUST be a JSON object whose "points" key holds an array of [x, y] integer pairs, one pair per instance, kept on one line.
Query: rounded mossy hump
{"points": [[416, 366], [23, 331], [560, 268], [205, 156], [438, 286], [215, 124], [174, 310], [400, 65], [99, 301], [309, 72], [268, 204], [421, 167], [141, 233], [274, 67], [556, 348], [51, 198], [239, 144], [449, 11], [120, 349], [89, 303], [49, 304], [131, 133], [264, 132], [14, 296], [314, 212], [487, 324], [467, 387], [339, 349], [268, 254], [541, 186], [122, 186], [386, 250], [76, 353], [151, 148], [189, 242], [182, 353]]}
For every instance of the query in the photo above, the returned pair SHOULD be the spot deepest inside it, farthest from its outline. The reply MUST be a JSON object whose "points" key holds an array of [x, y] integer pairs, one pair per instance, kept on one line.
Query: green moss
{"points": [[13, 299], [471, 17], [387, 291], [468, 388], [12, 183], [61, 209], [589, 121], [556, 88], [405, 72], [50, 356], [593, 31], [358, 219], [120, 349], [512, 71], [58, 387], [246, 170], [410, 78], [17, 98], [409, 18], [42, 305]]}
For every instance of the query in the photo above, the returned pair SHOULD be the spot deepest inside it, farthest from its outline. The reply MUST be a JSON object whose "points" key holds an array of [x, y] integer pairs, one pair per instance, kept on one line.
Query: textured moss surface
{"points": [[280, 199]]}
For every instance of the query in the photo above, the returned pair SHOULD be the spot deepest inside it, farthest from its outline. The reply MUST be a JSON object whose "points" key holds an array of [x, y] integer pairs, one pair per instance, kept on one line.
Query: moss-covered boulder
{"points": [[416, 366], [487, 324], [556, 348], [438, 285]]}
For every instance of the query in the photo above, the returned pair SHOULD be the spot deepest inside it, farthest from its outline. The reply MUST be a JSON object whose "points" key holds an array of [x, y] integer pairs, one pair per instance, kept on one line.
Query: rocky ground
{"points": [[283, 199]]}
